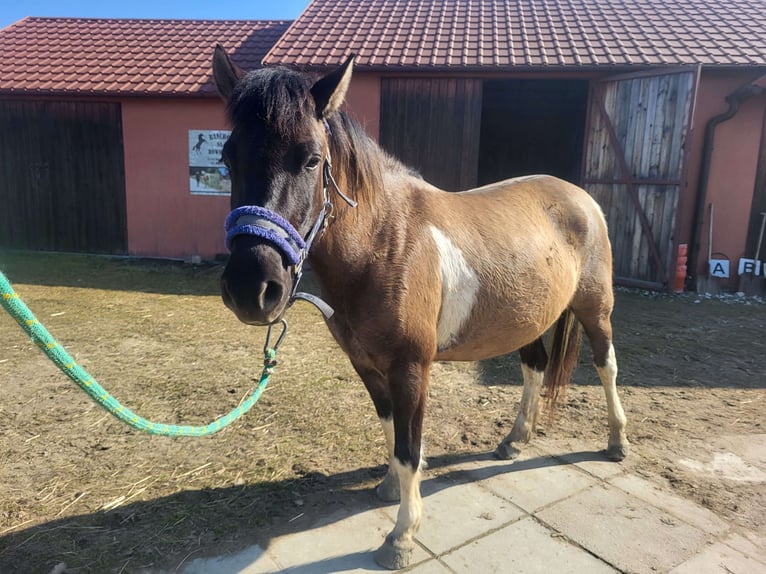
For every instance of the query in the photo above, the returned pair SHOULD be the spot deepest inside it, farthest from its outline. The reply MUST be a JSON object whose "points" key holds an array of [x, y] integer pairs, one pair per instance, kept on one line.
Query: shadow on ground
{"points": [[213, 521]]}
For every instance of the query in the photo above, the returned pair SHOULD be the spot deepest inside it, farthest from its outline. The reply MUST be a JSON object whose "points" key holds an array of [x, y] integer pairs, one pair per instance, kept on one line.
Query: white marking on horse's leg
{"points": [[396, 551], [529, 407], [460, 287], [411, 507], [527, 417], [388, 490], [618, 444]]}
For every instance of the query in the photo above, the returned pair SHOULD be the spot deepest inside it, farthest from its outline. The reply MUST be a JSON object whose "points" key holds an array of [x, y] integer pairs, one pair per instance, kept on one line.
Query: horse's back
{"points": [[534, 208]]}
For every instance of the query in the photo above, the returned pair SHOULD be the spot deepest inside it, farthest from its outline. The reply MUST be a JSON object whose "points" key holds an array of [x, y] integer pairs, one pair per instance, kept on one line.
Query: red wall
{"points": [[732, 171], [164, 218], [363, 102]]}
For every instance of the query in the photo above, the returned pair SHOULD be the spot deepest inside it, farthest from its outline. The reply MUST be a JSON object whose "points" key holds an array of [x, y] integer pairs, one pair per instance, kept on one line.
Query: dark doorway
{"points": [[532, 126], [62, 179]]}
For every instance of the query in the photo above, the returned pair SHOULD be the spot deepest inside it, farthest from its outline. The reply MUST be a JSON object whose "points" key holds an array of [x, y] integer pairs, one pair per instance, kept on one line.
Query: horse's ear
{"points": [[225, 72], [330, 90]]}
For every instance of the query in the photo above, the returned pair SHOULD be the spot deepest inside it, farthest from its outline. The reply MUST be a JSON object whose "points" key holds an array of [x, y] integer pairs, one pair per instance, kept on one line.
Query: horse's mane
{"points": [[281, 98], [360, 157]]}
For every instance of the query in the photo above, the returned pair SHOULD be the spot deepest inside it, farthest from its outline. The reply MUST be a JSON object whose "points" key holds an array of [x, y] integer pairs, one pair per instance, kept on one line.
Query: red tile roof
{"points": [[128, 57], [440, 34]]}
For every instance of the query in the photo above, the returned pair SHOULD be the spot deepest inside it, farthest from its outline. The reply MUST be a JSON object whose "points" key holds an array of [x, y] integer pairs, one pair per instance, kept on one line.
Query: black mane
{"points": [[277, 96], [281, 99]]}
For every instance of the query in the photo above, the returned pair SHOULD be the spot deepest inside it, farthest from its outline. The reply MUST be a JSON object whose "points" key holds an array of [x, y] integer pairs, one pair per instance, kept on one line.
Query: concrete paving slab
{"points": [[454, 513], [749, 543], [684, 509], [534, 483], [430, 567], [720, 559], [562, 511], [624, 530], [484, 465], [524, 546], [587, 455], [252, 560], [342, 542]]}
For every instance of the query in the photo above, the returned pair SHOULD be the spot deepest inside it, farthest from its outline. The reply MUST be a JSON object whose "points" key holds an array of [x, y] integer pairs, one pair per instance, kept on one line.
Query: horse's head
{"points": [[276, 155]]}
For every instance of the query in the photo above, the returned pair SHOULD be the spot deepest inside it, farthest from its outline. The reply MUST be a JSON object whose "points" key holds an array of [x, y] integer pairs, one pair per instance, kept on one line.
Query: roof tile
{"points": [[126, 56], [471, 33]]}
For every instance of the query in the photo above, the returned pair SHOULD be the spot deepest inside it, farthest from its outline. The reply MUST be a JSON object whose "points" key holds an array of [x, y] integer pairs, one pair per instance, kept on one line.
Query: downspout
{"points": [[735, 100]]}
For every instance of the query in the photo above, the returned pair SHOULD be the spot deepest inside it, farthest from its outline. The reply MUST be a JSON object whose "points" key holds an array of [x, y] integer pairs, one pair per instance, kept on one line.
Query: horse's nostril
{"points": [[270, 295]]}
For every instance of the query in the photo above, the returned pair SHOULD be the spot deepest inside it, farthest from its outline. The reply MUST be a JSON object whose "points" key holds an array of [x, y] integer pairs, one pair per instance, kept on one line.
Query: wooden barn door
{"points": [[634, 166], [433, 125], [62, 181]]}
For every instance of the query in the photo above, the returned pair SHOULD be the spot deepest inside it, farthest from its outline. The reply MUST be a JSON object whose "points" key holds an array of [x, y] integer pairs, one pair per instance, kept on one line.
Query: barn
{"points": [[95, 122], [656, 112], [616, 95]]}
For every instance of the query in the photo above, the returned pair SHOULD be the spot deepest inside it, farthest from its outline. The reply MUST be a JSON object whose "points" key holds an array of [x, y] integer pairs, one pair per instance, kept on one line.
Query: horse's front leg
{"points": [[377, 385], [408, 383]]}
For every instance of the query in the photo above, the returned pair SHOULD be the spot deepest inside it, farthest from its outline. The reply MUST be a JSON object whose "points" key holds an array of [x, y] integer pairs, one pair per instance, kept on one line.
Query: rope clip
{"points": [[270, 352]]}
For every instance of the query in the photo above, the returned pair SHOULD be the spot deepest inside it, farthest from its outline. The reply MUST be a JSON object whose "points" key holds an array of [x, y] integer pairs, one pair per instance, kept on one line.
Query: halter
{"points": [[276, 230]]}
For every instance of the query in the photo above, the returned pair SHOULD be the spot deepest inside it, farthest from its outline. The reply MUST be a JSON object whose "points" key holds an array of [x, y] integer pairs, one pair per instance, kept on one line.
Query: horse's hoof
{"points": [[506, 451], [617, 452], [392, 556], [388, 490]]}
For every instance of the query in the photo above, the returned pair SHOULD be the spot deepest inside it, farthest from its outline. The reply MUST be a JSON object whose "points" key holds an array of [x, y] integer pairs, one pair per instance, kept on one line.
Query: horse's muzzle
{"points": [[255, 284]]}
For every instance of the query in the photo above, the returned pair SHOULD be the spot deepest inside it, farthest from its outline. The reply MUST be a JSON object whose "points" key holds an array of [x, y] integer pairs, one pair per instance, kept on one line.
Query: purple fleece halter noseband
{"points": [[276, 230], [269, 226]]}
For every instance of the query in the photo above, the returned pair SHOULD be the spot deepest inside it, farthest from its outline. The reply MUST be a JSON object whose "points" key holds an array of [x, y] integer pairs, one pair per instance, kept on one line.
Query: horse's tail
{"points": [[565, 350]]}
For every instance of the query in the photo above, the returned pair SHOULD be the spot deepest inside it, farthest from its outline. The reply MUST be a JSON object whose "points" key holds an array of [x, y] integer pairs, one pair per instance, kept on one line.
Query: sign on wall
{"points": [[207, 174], [719, 268], [751, 266]]}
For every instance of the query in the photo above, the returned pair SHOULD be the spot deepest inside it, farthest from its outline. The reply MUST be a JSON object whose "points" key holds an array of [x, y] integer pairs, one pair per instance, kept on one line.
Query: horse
{"points": [[414, 274], [200, 142]]}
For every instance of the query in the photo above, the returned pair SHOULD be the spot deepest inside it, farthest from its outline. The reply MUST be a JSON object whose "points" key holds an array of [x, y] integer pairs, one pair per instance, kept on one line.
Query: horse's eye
{"points": [[312, 163]]}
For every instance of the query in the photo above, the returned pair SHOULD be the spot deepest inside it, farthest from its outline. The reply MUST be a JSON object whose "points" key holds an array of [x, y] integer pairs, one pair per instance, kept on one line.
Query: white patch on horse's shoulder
{"points": [[460, 287]]}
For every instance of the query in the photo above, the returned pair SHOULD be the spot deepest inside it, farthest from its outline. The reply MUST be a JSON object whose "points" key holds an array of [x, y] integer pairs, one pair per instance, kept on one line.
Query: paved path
{"points": [[551, 511]]}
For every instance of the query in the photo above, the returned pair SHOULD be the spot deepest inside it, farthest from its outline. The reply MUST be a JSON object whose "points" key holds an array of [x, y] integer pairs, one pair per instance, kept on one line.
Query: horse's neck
{"points": [[347, 245]]}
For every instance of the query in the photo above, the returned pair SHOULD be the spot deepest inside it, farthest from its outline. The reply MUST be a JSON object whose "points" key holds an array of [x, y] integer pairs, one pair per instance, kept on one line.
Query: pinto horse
{"points": [[414, 274]]}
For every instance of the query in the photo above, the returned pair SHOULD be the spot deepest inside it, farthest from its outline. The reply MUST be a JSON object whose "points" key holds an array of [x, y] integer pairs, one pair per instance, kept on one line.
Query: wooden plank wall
{"points": [[62, 181], [650, 117], [434, 125]]}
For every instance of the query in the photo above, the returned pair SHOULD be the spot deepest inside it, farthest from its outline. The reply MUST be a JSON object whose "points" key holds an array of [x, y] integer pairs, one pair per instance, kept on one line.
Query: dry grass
{"points": [[76, 486]]}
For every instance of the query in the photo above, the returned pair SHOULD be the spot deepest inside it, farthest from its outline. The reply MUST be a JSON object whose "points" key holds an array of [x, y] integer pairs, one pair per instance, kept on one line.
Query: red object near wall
{"points": [[680, 277]]}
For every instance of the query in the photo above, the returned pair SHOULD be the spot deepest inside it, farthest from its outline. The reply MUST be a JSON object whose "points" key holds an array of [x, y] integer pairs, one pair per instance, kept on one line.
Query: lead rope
{"points": [[16, 308]]}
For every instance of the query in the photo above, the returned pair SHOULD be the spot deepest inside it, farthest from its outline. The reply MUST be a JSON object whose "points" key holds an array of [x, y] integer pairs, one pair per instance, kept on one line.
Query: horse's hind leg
{"points": [[534, 359], [599, 331]]}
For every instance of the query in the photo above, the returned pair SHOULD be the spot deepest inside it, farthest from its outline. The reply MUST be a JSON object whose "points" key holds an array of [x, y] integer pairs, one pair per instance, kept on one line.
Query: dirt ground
{"points": [[78, 487]]}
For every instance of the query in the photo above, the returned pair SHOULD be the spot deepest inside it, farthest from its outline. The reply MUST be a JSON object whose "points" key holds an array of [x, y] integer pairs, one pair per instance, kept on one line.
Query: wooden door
{"points": [[634, 166], [433, 125], [62, 181]]}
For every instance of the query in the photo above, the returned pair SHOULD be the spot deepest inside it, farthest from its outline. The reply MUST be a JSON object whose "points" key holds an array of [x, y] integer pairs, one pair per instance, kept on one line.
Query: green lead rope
{"points": [[56, 353]]}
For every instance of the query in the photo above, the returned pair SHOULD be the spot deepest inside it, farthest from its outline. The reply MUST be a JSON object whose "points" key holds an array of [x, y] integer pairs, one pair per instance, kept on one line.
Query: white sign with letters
{"points": [[750, 266], [207, 174], [719, 267]]}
